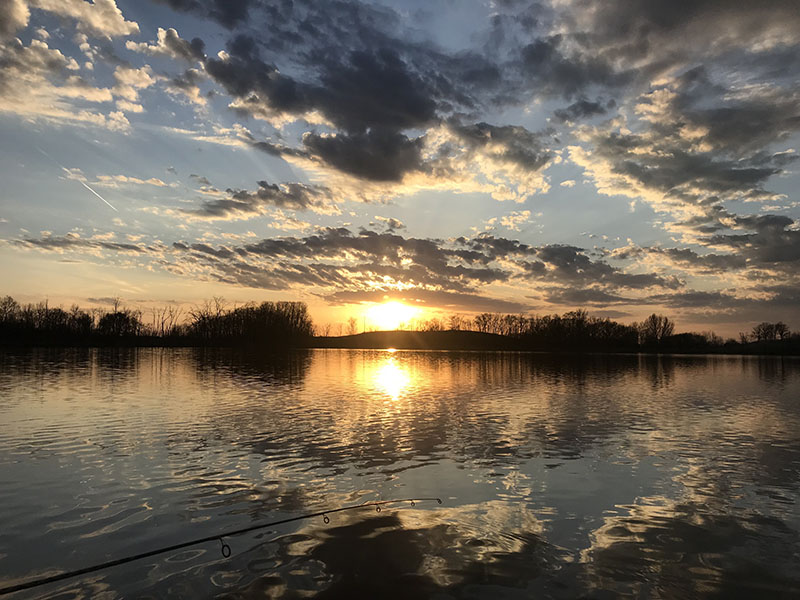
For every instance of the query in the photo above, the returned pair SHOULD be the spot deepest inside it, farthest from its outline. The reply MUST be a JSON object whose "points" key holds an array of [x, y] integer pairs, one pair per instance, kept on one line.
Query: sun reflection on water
{"points": [[392, 378]]}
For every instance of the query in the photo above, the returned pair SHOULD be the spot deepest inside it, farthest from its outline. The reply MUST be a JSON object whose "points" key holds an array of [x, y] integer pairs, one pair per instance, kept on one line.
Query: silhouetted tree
{"points": [[122, 323], [655, 328], [764, 332]]}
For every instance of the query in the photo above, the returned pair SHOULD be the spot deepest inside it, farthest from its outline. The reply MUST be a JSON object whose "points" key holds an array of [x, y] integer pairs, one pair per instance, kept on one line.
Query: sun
{"points": [[390, 315]]}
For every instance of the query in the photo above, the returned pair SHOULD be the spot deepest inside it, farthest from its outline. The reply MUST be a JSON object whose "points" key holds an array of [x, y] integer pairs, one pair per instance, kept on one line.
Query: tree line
{"points": [[212, 322], [286, 324], [577, 330]]}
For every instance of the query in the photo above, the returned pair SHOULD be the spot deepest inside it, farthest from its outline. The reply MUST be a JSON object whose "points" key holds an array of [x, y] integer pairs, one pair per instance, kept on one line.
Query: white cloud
{"points": [[115, 180], [14, 15], [39, 82], [101, 18], [514, 220], [128, 83], [168, 43]]}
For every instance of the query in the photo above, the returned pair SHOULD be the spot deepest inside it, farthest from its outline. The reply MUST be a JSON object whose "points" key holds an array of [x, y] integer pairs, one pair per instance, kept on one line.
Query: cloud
{"points": [[343, 266], [391, 223], [101, 17], [169, 43], [187, 85], [686, 159], [514, 220], [560, 263], [39, 82], [243, 204], [376, 155], [117, 180], [656, 35], [14, 15], [701, 264], [284, 222], [583, 297], [130, 80], [439, 299], [226, 12], [775, 240], [73, 241], [201, 179], [582, 109], [367, 91], [553, 69]]}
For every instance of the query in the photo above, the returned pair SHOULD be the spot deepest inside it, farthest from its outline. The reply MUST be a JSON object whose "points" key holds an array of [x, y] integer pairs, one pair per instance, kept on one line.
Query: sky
{"points": [[625, 157]]}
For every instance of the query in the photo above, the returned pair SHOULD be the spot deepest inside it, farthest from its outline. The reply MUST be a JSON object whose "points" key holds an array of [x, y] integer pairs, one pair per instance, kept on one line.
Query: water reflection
{"points": [[390, 378], [562, 476]]}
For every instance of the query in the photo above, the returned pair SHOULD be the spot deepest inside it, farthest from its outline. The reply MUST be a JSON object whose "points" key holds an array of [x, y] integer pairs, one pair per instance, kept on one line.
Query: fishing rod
{"points": [[225, 548]]}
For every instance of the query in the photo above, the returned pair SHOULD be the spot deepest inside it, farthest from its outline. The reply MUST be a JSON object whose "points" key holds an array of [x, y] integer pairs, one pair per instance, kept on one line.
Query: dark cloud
{"points": [[664, 167], [554, 71], [201, 179], [663, 32], [103, 300], [776, 239], [243, 204], [187, 82], [365, 91], [274, 149], [698, 299], [228, 13], [337, 258], [583, 109], [737, 122], [377, 155], [511, 144], [583, 297], [74, 242], [376, 90], [562, 263], [571, 264], [706, 263]]}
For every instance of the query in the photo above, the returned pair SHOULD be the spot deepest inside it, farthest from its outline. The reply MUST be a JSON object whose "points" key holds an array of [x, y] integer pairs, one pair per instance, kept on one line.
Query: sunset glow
{"points": [[390, 315], [451, 158]]}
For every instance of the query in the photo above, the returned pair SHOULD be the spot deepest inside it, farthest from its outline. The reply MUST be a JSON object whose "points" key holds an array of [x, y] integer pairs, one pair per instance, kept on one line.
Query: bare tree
{"points": [[655, 329], [352, 326], [764, 332]]}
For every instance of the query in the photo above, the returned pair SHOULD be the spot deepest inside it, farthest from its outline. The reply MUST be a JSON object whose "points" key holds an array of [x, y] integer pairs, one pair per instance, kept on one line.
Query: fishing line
{"points": [[225, 548]]}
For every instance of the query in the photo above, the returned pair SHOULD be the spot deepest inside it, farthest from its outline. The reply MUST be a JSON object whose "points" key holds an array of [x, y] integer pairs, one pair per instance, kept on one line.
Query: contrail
{"points": [[96, 194], [68, 172]]}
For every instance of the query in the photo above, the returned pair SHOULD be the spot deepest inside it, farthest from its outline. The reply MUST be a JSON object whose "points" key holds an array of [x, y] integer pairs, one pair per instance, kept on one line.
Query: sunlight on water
{"points": [[392, 379], [561, 477]]}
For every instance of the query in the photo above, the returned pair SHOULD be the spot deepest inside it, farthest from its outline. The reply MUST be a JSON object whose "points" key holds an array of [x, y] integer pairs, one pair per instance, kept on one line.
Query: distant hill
{"points": [[419, 340], [473, 340]]}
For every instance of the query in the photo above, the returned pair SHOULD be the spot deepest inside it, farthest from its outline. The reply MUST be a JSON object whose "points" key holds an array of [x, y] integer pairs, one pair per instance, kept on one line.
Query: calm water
{"points": [[561, 477]]}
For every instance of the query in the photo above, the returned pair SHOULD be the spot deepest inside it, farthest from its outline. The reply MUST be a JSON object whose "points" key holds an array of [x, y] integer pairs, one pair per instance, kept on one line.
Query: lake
{"points": [[560, 476]]}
